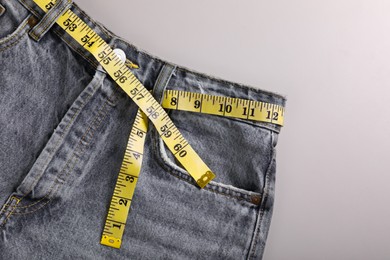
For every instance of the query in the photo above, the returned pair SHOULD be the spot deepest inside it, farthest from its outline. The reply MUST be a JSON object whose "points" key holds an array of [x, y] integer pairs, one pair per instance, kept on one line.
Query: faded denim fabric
{"points": [[64, 125]]}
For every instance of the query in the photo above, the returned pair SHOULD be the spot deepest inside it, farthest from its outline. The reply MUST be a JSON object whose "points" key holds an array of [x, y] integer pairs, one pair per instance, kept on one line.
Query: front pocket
{"points": [[238, 152], [41, 181]]}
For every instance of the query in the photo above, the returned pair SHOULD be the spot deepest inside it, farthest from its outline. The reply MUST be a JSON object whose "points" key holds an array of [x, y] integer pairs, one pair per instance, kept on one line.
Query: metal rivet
{"points": [[32, 21], [255, 199]]}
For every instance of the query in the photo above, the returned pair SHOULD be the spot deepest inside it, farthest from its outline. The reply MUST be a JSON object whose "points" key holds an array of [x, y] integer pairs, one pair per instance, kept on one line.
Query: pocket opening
{"points": [[230, 177]]}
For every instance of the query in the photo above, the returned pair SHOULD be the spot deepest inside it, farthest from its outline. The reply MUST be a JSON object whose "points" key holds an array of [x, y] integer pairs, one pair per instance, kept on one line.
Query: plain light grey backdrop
{"points": [[332, 61]]}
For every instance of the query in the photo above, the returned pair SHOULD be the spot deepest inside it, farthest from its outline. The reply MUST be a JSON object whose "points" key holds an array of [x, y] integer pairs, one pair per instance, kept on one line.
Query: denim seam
{"points": [[259, 218], [18, 33], [80, 148], [45, 17], [3, 209]]}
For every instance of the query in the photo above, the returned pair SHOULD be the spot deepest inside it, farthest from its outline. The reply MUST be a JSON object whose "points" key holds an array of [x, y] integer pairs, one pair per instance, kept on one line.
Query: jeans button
{"points": [[121, 54]]}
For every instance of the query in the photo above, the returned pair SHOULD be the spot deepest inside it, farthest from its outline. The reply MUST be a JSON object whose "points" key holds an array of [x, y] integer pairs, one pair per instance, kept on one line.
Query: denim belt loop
{"points": [[49, 18]]}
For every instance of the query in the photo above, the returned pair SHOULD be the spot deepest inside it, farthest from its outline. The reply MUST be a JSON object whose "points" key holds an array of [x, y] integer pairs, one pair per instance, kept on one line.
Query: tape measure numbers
{"points": [[223, 106], [126, 182], [149, 108]]}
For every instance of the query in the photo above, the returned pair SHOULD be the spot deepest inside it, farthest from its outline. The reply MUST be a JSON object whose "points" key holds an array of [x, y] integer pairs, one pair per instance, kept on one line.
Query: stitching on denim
{"points": [[265, 194], [19, 34], [11, 45], [15, 33], [6, 218], [99, 117], [56, 145], [10, 212], [49, 23], [28, 212]]}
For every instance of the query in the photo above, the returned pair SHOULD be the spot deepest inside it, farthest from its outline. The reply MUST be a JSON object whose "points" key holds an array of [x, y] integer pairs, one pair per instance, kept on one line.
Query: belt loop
{"points": [[162, 81], [49, 18]]}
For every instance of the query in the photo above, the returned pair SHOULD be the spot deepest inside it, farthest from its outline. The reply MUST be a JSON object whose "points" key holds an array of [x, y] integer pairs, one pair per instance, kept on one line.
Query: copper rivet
{"points": [[32, 21], [255, 199]]}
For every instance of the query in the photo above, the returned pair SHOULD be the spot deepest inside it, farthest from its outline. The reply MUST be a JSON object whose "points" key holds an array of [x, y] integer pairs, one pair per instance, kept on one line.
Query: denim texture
{"points": [[64, 125]]}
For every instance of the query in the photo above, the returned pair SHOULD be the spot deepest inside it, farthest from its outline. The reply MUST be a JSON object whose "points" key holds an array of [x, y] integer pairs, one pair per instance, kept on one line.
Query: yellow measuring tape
{"points": [[125, 184], [223, 106], [150, 108]]}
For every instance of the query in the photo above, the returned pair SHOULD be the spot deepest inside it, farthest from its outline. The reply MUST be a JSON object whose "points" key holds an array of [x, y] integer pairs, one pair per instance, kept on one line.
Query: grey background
{"points": [[331, 58]]}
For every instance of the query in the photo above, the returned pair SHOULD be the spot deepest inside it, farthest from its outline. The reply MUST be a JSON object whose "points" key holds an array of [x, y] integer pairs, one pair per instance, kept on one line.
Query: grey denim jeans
{"points": [[64, 125]]}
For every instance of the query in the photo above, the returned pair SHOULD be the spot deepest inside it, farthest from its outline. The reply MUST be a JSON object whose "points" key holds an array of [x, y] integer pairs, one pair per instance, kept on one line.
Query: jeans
{"points": [[64, 125]]}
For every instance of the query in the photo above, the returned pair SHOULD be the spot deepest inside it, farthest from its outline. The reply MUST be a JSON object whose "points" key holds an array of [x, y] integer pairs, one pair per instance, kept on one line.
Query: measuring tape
{"points": [[125, 184], [223, 106], [149, 108]]}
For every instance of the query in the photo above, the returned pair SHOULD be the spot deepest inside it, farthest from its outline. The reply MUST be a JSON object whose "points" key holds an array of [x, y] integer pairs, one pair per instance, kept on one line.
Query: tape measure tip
{"points": [[111, 241], [206, 178]]}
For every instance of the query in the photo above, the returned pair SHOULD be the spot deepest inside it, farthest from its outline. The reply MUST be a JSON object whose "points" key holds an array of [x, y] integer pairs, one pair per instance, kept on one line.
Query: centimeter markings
{"points": [[223, 106], [125, 184], [92, 42]]}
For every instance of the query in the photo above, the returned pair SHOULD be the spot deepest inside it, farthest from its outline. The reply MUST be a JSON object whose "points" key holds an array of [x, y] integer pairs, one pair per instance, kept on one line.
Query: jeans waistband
{"points": [[150, 65]]}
